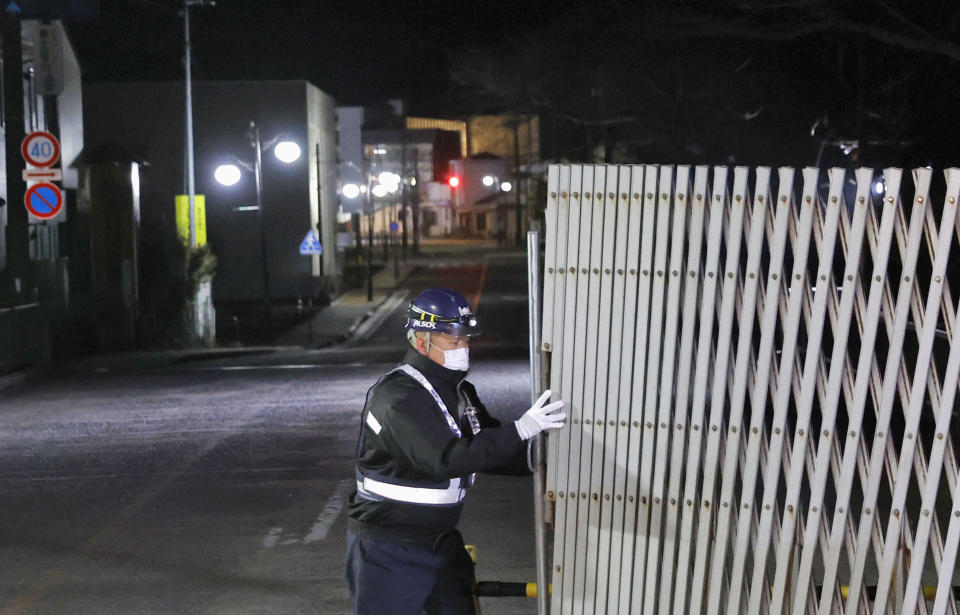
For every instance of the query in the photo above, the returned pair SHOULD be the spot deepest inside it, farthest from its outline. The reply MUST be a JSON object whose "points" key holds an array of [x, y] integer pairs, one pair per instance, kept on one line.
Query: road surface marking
{"points": [[273, 535], [479, 294], [329, 513]]}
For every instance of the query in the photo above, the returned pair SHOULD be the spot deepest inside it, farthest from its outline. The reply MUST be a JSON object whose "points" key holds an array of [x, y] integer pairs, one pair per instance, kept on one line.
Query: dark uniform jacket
{"points": [[416, 447]]}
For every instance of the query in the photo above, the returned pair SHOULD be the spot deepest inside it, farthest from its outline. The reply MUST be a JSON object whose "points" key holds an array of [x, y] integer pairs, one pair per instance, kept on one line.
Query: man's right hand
{"points": [[540, 418]]}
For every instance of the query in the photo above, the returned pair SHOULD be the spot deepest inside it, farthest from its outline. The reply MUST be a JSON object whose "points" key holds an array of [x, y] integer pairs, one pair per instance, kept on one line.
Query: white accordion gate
{"points": [[760, 379]]}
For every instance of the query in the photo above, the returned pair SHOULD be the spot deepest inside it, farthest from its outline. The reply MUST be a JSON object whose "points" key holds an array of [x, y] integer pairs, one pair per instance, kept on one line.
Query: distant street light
{"points": [[380, 190], [350, 191], [389, 179], [229, 175], [500, 186]]}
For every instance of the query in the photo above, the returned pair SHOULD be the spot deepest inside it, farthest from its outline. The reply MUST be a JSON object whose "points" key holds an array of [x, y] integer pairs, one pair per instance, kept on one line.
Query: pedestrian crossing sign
{"points": [[310, 244]]}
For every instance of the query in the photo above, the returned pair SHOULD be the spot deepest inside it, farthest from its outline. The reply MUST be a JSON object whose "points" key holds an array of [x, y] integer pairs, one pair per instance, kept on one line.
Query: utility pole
{"points": [[516, 171], [18, 242], [369, 208], [403, 191], [191, 180], [415, 208], [191, 184], [196, 327]]}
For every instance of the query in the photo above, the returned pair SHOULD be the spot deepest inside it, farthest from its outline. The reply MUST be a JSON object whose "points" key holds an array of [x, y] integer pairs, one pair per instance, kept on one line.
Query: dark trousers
{"points": [[406, 579]]}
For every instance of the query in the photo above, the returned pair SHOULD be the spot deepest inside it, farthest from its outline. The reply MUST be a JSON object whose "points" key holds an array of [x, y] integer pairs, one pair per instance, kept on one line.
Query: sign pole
{"points": [[396, 249], [16, 233]]}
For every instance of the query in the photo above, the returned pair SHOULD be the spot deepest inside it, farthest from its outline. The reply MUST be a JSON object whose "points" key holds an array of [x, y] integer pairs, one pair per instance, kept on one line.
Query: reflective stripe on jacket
{"points": [[412, 467]]}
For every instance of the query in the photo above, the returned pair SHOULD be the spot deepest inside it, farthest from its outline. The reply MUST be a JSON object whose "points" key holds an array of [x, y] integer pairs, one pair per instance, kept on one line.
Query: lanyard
{"points": [[416, 375]]}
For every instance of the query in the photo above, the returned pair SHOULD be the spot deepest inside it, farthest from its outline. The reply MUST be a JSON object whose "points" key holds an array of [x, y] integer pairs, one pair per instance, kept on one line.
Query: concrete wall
{"points": [[324, 176]]}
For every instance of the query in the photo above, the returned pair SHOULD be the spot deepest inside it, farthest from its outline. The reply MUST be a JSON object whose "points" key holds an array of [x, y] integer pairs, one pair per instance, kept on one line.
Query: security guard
{"points": [[424, 437]]}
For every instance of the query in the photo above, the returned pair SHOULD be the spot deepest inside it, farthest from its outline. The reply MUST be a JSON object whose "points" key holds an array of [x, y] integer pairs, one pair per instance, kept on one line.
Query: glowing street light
{"points": [[388, 178], [230, 174], [287, 151], [380, 190], [350, 191], [506, 186], [227, 174]]}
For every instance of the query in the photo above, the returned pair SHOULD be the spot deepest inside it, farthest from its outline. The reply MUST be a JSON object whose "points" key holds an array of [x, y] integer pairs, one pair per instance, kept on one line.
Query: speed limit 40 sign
{"points": [[41, 149]]}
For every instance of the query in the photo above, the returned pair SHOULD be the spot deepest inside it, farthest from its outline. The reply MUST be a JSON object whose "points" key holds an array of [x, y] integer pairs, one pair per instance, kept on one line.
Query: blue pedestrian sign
{"points": [[394, 227], [310, 244]]}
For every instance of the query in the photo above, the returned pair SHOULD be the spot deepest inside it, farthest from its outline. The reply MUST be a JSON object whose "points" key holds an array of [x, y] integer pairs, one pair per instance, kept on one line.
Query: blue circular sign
{"points": [[394, 227], [43, 200]]}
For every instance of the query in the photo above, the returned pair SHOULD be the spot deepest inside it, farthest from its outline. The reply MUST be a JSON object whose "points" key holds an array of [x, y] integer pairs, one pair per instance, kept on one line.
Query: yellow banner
{"points": [[182, 202]]}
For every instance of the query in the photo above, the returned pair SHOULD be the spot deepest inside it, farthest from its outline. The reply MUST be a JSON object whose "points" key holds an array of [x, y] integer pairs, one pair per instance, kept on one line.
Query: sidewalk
{"points": [[333, 324], [337, 322], [347, 319]]}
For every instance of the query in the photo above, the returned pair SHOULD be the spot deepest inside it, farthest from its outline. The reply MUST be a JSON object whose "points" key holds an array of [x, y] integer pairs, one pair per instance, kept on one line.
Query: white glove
{"points": [[540, 418]]}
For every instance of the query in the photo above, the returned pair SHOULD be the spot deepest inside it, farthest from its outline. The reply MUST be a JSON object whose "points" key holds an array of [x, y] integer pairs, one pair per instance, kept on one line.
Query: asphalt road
{"points": [[220, 487]]}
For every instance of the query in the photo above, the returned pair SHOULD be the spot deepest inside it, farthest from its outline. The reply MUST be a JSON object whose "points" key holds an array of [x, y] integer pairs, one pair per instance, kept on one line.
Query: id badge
{"points": [[471, 413]]}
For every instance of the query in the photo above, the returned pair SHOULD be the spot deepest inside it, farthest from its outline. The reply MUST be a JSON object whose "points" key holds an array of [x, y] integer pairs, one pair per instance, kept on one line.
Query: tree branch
{"points": [[709, 28]]}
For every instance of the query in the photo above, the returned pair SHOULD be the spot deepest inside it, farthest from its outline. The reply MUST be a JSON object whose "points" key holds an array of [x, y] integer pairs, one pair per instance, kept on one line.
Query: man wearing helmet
{"points": [[424, 436]]}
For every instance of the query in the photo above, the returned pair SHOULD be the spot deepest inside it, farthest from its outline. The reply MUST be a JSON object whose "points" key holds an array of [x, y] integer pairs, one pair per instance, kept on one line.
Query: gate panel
{"points": [[761, 381]]}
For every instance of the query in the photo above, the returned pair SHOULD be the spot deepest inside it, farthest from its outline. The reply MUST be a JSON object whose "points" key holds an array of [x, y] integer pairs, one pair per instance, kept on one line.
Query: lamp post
{"points": [[254, 136], [501, 186], [229, 174], [376, 186]]}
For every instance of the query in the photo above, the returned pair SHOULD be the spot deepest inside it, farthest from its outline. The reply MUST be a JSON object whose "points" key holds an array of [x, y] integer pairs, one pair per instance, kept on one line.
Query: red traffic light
{"points": [[454, 181]]}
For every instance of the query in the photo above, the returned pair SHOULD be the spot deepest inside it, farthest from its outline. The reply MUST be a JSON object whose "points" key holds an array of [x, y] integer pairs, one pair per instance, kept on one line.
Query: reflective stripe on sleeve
{"points": [[373, 423], [453, 494]]}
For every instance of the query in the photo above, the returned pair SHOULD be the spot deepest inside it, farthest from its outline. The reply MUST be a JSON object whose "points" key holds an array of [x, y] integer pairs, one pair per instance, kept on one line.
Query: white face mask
{"points": [[457, 359]]}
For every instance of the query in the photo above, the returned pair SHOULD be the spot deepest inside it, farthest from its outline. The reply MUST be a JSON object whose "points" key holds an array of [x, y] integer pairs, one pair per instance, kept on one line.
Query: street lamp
{"points": [[229, 174], [287, 151], [350, 191], [501, 186]]}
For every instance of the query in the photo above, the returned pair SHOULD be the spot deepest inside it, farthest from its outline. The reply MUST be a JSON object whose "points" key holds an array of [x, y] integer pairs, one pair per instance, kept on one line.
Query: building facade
{"points": [[420, 203], [39, 269], [147, 120], [510, 146]]}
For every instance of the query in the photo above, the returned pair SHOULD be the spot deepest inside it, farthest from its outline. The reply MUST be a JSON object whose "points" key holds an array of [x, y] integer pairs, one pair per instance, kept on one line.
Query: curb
{"points": [[347, 337], [355, 333], [17, 378], [377, 316], [359, 320]]}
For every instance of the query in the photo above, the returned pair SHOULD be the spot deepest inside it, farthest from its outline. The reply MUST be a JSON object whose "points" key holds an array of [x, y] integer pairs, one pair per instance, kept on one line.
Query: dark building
{"points": [[42, 264], [147, 120]]}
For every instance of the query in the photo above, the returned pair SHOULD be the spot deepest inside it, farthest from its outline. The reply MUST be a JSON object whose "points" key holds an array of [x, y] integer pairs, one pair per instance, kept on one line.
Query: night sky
{"points": [[357, 51], [686, 80]]}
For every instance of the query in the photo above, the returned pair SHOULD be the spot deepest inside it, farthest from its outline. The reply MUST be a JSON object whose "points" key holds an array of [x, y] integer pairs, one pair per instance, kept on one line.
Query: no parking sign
{"points": [[43, 200]]}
